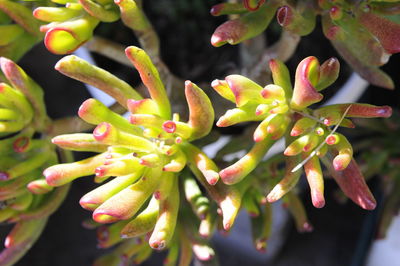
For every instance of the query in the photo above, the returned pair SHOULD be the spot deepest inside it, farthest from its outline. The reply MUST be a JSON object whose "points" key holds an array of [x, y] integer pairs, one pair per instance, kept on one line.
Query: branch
{"points": [[75, 124], [282, 50]]}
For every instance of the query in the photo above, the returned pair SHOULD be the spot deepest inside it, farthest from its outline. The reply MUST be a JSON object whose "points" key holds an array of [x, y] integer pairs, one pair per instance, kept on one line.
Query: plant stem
{"points": [[75, 124], [283, 49], [109, 49]]}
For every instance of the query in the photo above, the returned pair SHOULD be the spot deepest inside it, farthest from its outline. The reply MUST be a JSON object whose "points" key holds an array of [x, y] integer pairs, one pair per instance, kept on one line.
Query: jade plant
{"points": [[157, 187], [365, 34], [284, 112], [147, 155], [72, 24]]}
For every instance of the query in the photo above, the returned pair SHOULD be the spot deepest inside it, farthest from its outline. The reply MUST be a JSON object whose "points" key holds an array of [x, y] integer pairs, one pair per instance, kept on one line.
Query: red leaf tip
{"points": [[4, 176], [101, 131], [169, 126]]}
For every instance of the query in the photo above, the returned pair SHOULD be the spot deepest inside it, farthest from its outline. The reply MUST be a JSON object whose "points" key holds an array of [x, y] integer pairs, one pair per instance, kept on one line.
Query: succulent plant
{"points": [[285, 112], [146, 155], [363, 33], [25, 197], [18, 28], [72, 25], [149, 153], [159, 188], [374, 37]]}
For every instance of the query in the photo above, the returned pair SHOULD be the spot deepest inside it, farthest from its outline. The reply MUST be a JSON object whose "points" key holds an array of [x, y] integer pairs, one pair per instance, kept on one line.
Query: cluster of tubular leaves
{"points": [[285, 112], [72, 24], [150, 157], [364, 33], [25, 197], [153, 163], [19, 30]]}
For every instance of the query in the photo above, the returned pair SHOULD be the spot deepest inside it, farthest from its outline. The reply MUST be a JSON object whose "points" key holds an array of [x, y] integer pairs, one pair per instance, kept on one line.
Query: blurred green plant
{"points": [[25, 197], [19, 30], [382, 160]]}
